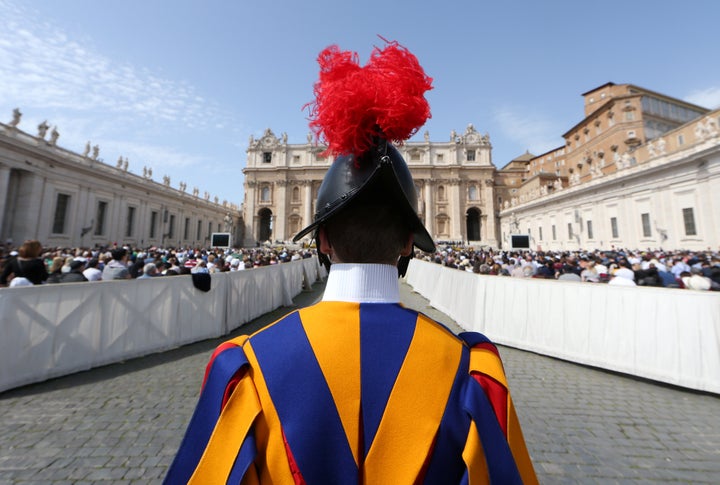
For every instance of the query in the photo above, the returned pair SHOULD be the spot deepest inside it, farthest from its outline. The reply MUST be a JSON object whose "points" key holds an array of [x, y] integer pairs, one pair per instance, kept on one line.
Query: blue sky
{"points": [[181, 85]]}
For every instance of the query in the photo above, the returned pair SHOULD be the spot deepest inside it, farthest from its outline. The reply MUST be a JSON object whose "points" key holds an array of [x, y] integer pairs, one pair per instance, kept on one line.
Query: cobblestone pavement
{"points": [[123, 423]]}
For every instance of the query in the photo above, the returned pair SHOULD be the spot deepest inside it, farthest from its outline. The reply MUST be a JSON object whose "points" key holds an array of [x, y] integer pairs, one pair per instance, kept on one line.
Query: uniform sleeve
{"points": [[487, 370], [219, 443]]}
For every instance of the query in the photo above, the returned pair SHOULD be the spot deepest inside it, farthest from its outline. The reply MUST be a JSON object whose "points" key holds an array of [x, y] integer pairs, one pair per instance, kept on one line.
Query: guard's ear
{"points": [[324, 242], [407, 249]]}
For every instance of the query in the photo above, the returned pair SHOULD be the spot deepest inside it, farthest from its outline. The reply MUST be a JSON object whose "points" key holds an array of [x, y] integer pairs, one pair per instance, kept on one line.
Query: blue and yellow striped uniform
{"points": [[342, 393]]}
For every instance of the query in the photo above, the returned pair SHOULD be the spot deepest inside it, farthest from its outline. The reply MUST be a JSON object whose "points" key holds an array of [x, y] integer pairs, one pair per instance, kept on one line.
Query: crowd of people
{"points": [[697, 270], [30, 264]]}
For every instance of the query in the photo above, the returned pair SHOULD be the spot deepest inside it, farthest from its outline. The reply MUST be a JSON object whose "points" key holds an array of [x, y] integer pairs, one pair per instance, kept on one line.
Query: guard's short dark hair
{"points": [[368, 232]]}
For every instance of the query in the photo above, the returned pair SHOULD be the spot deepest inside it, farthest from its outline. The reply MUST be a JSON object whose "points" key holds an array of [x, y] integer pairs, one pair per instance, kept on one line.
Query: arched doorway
{"points": [[472, 218], [265, 224]]}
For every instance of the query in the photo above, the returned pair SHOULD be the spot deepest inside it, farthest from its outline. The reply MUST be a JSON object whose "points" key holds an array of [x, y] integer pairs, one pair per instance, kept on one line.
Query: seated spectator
{"points": [[623, 276], [26, 264], [696, 281], [590, 273], [75, 274], [116, 269], [149, 271], [92, 273], [56, 270]]}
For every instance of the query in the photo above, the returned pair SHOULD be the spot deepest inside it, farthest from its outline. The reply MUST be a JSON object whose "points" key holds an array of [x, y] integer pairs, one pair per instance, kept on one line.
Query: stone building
{"points": [[640, 170], [66, 199], [454, 182]]}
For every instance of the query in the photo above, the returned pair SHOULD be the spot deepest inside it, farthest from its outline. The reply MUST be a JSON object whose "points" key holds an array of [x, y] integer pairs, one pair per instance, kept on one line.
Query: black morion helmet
{"points": [[383, 170]]}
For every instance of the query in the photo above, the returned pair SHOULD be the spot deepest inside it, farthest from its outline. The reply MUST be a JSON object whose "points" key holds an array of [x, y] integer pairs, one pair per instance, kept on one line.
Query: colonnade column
{"points": [[4, 181]]}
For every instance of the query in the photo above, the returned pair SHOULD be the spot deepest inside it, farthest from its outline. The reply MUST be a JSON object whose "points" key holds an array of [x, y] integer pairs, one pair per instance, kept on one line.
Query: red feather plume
{"points": [[355, 104]]}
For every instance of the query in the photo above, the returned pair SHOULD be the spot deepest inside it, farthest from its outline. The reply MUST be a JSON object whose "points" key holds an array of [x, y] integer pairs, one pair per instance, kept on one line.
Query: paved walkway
{"points": [[123, 423]]}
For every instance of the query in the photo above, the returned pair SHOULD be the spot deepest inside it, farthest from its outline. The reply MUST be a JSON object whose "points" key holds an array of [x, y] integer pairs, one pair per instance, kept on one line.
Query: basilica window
{"points": [[265, 194], [267, 157], [296, 194], [472, 192], [441, 193], [470, 155]]}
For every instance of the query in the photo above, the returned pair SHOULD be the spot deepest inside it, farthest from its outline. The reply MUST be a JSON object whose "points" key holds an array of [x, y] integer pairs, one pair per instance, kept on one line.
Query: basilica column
{"points": [[249, 218], [281, 211], [4, 181], [457, 217], [488, 228], [429, 208], [307, 204]]}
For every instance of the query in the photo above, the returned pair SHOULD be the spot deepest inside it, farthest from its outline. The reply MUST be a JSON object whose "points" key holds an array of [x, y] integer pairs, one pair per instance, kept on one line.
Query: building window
{"points": [[540, 233], [61, 207], [441, 192], [267, 157], [689, 220], [296, 194], [472, 192], [415, 156], [646, 224], [439, 157], [629, 116], [614, 227], [209, 228], [265, 194], [470, 155], [100, 218], [171, 229], [153, 224], [199, 230], [554, 234], [590, 229], [296, 158], [186, 231], [570, 230], [680, 140], [130, 222]]}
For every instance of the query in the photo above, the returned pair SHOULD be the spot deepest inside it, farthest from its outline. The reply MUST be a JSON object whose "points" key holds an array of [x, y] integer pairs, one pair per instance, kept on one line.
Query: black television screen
{"points": [[520, 241], [220, 240]]}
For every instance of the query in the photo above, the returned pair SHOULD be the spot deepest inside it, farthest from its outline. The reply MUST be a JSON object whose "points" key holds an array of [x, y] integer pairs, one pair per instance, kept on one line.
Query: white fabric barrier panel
{"points": [[54, 330], [664, 334]]}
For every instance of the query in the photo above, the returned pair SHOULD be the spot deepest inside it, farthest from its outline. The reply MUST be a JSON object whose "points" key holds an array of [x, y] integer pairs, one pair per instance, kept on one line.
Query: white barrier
{"points": [[52, 330], [668, 335]]}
